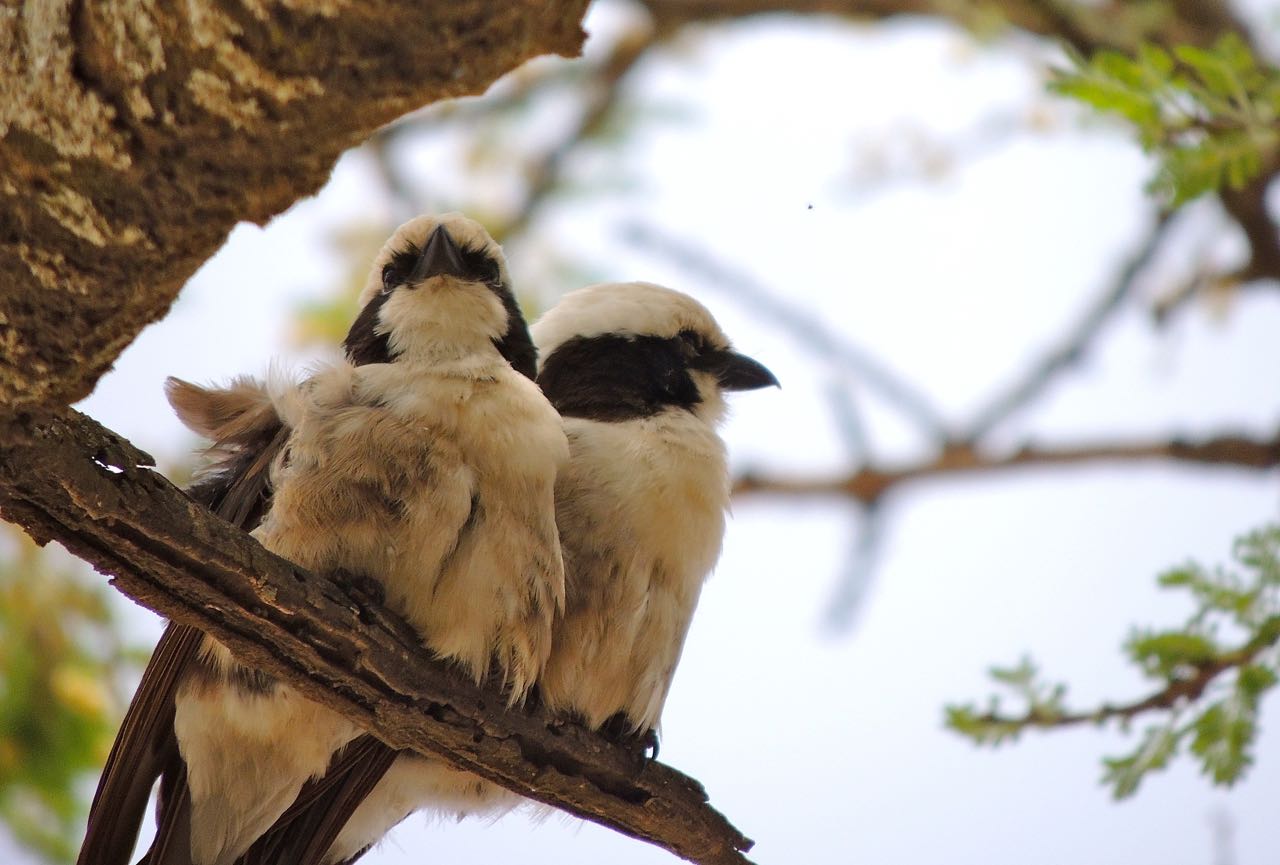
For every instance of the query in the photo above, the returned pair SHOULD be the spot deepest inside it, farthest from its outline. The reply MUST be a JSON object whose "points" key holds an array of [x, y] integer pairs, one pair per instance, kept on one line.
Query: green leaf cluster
{"points": [[1211, 672], [1043, 702], [1208, 115], [1227, 682]]}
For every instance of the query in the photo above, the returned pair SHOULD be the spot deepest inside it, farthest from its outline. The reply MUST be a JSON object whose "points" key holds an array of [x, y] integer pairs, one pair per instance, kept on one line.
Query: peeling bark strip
{"points": [[135, 134], [80, 484]]}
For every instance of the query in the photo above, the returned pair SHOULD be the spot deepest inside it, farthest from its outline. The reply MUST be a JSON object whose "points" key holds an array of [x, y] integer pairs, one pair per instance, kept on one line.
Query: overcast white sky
{"points": [[828, 747]]}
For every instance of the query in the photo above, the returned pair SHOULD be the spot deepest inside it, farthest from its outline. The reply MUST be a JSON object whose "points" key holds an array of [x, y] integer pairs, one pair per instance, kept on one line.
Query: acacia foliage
{"points": [[1210, 673], [1208, 115]]}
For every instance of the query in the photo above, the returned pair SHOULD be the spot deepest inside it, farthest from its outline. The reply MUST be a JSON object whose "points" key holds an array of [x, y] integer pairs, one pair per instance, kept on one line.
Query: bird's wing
{"points": [[544, 587], [172, 843], [247, 436], [143, 749], [306, 831]]}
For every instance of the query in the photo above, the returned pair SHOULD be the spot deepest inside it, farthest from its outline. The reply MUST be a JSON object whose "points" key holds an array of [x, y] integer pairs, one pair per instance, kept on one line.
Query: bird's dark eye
{"points": [[397, 270], [691, 343], [484, 267]]}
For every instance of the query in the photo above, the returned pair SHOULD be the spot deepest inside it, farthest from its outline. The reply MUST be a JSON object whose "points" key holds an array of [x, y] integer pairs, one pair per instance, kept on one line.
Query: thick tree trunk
{"points": [[134, 134]]}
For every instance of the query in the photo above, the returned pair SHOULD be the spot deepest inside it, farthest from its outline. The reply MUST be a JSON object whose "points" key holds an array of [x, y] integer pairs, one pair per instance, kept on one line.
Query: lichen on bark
{"points": [[135, 134]]}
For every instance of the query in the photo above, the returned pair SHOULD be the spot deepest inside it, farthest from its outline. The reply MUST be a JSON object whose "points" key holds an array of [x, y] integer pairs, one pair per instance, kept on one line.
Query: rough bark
{"points": [[103, 503], [135, 134]]}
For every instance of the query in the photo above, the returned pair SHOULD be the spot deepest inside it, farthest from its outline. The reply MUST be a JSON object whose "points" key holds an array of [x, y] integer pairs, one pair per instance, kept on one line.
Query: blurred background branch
{"points": [[1033, 381], [805, 329], [869, 484]]}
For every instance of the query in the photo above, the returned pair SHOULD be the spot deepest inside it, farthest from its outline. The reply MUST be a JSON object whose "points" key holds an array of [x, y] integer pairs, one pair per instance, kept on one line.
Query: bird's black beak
{"points": [[440, 257], [737, 371]]}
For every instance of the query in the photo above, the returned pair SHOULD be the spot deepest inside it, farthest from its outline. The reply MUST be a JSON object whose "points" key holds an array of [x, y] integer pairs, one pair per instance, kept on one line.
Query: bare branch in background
{"points": [[600, 82], [544, 175], [849, 422], [1248, 207], [1111, 23], [809, 332], [406, 200], [1203, 287], [914, 154], [859, 569], [867, 522], [1043, 372], [870, 484], [1223, 827], [1032, 15]]}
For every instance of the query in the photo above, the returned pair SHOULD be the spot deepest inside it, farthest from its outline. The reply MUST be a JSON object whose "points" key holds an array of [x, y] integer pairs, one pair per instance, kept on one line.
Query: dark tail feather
{"points": [[143, 749], [306, 831], [172, 844]]}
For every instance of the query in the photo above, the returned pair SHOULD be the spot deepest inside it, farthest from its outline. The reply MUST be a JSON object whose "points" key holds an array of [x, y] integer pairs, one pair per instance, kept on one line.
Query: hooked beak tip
{"points": [[739, 372], [440, 257]]}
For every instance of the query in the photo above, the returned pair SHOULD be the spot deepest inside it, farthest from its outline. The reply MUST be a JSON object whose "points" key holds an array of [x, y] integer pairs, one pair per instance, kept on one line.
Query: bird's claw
{"points": [[364, 590], [647, 743], [643, 744]]}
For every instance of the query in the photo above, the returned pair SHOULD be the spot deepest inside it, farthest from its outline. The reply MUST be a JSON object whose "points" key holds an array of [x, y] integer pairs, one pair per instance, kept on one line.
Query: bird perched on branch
{"points": [[638, 373], [424, 462]]}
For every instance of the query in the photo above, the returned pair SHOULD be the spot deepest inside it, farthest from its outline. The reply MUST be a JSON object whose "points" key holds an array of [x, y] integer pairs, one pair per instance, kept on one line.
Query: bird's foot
{"points": [[364, 590], [642, 744]]}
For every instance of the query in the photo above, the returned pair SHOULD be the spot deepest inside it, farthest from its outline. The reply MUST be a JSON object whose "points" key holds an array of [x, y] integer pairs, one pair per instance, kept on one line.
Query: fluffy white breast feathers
{"points": [[638, 373]]}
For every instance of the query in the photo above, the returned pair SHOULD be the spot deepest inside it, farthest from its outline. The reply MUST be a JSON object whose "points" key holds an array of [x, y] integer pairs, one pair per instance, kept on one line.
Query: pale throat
{"points": [[458, 327]]}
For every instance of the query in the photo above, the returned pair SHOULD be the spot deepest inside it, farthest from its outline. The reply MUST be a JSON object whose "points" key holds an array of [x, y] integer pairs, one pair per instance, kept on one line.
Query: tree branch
{"points": [[810, 331], [544, 174], [869, 484], [1038, 377], [1176, 693], [600, 84], [1024, 14], [1112, 24], [1248, 207], [1085, 28], [73, 481], [135, 135]]}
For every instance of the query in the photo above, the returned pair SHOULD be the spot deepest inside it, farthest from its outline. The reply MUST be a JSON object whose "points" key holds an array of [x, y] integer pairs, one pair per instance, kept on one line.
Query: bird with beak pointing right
{"points": [[638, 373]]}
